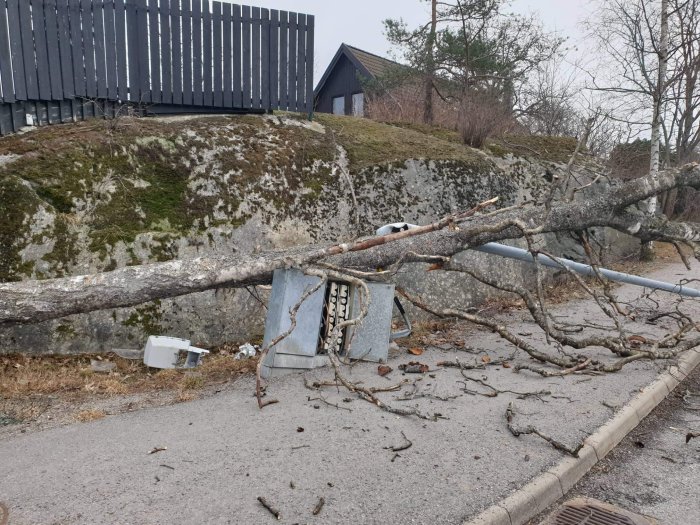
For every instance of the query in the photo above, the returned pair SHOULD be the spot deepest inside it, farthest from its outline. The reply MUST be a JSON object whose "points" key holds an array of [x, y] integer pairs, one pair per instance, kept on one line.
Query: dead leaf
{"points": [[383, 370], [433, 267], [506, 364], [485, 359], [414, 367], [637, 340], [415, 351]]}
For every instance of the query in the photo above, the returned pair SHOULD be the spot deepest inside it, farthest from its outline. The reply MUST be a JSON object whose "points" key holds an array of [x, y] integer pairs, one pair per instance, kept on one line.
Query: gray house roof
{"points": [[368, 64]]}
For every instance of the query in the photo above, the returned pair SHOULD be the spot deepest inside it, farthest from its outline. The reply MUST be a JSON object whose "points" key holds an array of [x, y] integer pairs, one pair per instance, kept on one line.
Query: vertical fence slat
{"points": [[111, 65], [88, 49], [66, 60], [100, 59], [6, 118], [54, 108], [8, 89], [176, 24], [186, 53], [265, 58], [246, 35], [120, 42], [52, 44], [237, 55], [207, 64], [292, 73], [27, 39], [154, 47], [18, 119], [310, 25], [284, 63], [130, 8], [197, 96], [16, 50], [38, 21], [66, 114], [76, 38], [228, 57], [165, 52], [301, 62], [255, 84], [274, 58], [217, 54], [142, 50]]}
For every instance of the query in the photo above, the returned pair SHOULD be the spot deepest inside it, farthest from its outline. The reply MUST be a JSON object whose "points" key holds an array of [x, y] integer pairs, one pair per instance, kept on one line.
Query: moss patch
{"points": [[369, 143], [553, 149], [146, 318], [17, 204]]}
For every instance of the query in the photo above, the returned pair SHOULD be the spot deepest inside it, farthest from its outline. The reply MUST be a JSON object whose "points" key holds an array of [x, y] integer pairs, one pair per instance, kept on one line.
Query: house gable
{"points": [[343, 80]]}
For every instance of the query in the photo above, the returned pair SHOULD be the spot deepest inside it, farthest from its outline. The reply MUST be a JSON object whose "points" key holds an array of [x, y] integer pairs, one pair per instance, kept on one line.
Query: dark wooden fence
{"points": [[62, 60]]}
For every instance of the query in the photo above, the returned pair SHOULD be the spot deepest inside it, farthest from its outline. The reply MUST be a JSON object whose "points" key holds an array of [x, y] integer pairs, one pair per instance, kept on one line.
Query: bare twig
{"points": [[270, 508], [517, 432], [494, 392], [319, 506], [405, 446], [558, 373], [293, 324], [324, 400]]}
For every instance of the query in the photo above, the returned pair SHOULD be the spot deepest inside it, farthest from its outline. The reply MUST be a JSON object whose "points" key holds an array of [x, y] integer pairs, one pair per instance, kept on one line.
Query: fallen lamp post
{"points": [[584, 269]]}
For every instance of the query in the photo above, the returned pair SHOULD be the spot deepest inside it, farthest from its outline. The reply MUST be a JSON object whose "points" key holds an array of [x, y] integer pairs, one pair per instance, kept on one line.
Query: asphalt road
{"points": [[223, 453]]}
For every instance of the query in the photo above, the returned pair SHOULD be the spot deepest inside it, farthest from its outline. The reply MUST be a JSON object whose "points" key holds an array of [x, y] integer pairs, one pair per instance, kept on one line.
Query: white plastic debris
{"points": [[395, 228], [171, 352], [246, 351]]}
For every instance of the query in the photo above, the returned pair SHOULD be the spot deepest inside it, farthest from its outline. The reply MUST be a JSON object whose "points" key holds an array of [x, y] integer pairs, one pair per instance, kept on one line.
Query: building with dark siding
{"points": [[340, 90]]}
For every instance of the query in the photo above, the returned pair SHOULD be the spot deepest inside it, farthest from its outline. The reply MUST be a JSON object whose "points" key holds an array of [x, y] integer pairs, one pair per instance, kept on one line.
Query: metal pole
{"points": [[584, 269]]}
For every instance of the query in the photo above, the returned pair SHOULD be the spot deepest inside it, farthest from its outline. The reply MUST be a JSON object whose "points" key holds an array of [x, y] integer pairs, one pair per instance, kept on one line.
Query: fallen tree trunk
{"points": [[35, 301]]}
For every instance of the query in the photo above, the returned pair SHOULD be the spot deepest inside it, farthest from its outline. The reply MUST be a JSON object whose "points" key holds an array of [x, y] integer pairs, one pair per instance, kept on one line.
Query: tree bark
{"points": [[428, 112], [34, 301], [647, 250]]}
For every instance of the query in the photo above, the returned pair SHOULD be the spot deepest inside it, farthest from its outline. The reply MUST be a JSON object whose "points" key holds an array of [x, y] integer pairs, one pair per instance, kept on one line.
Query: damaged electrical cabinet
{"points": [[306, 347]]}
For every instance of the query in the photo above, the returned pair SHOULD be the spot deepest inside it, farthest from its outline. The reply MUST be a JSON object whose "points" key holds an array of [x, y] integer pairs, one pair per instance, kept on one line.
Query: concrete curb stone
{"points": [[611, 433], [549, 487], [529, 500], [495, 515], [570, 470]]}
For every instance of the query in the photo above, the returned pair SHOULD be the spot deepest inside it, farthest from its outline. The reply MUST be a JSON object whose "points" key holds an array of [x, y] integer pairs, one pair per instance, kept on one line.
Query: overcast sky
{"points": [[359, 22]]}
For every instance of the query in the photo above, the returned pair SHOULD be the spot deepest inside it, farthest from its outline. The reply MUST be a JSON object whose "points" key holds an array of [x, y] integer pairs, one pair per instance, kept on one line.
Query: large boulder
{"points": [[100, 195]]}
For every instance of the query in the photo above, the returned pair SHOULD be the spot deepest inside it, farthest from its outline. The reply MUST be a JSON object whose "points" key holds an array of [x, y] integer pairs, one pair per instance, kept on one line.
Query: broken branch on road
{"points": [[517, 432], [272, 510], [405, 446]]}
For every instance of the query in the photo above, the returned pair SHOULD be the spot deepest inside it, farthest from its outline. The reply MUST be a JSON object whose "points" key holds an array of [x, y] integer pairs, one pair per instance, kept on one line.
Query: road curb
{"points": [[553, 484]]}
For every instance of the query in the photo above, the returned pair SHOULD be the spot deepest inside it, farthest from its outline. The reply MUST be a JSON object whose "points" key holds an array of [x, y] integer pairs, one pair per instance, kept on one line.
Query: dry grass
{"points": [[184, 396], [89, 415], [71, 378]]}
